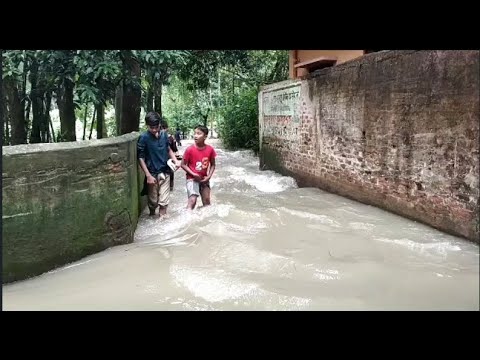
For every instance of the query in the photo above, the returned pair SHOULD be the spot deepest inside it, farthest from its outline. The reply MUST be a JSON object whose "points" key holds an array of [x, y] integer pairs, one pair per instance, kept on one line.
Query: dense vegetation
{"points": [[99, 93]]}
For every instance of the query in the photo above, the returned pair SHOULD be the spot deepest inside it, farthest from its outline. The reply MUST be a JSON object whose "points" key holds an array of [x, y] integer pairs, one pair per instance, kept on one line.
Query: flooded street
{"points": [[265, 244]]}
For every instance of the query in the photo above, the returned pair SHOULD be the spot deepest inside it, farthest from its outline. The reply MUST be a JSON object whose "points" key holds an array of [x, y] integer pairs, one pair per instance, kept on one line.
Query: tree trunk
{"points": [[219, 90], [51, 128], [3, 119], [158, 97], [205, 118], [100, 120], [24, 84], [27, 116], [36, 97], [91, 126], [37, 119], [150, 91], [24, 94], [46, 118], [118, 108], [211, 107], [85, 122], [17, 114], [67, 111], [132, 95]]}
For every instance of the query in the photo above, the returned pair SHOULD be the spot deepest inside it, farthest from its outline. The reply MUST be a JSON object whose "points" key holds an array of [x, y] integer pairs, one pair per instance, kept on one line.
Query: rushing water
{"points": [[265, 244]]}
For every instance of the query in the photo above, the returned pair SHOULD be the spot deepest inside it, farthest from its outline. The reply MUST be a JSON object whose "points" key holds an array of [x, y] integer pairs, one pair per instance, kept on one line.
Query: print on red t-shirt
{"points": [[198, 160]]}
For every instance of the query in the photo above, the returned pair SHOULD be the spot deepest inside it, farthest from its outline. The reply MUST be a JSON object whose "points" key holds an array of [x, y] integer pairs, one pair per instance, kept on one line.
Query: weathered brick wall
{"points": [[64, 201], [397, 129]]}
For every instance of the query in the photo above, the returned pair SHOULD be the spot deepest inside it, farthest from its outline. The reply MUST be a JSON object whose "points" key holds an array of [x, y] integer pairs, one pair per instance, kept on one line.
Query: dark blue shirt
{"points": [[154, 151]]}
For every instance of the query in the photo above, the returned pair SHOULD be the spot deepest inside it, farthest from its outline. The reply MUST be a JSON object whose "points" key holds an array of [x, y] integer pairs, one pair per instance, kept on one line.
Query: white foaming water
{"points": [[263, 181], [269, 183], [235, 170], [210, 284], [323, 219], [177, 223], [440, 248], [174, 241], [228, 228], [361, 226], [246, 155], [217, 286]]}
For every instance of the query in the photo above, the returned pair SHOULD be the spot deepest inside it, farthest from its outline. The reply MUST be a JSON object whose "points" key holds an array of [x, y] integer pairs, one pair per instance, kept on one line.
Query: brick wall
{"points": [[395, 129]]}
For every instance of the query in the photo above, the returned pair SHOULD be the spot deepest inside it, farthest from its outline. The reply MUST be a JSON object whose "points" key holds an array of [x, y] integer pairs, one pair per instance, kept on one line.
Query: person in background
{"points": [[177, 137], [173, 146]]}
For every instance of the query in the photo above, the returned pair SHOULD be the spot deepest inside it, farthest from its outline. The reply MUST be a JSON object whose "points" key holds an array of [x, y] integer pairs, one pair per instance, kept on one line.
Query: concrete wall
{"points": [[64, 201], [396, 129]]}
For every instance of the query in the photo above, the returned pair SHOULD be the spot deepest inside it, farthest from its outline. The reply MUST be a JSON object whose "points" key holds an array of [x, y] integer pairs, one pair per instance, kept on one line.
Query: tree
{"points": [[131, 100], [13, 68], [181, 106], [100, 110], [159, 66], [60, 68], [240, 126], [2, 101], [189, 87], [37, 93], [99, 76], [222, 87]]}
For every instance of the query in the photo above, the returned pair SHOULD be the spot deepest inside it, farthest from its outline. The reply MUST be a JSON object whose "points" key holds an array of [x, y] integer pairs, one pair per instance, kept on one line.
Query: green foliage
{"points": [[110, 123], [201, 66], [239, 128], [216, 87], [13, 64], [182, 107], [99, 73], [222, 87], [160, 64]]}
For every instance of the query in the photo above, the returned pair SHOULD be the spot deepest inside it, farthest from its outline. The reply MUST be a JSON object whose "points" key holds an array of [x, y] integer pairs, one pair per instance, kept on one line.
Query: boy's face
{"points": [[199, 136], [153, 129]]}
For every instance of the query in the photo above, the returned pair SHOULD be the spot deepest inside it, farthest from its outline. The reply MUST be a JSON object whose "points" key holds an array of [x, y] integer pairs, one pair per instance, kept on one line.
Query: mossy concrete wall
{"points": [[64, 201]]}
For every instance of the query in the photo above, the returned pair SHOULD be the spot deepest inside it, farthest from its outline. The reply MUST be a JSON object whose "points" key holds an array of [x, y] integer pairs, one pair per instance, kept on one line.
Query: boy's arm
{"points": [[171, 154], [211, 169], [184, 165], [141, 158], [173, 157], [150, 178]]}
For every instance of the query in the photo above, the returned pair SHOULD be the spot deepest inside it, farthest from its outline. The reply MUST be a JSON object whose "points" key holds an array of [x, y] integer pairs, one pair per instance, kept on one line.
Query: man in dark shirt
{"points": [[174, 148], [177, 137], [153, 152]]}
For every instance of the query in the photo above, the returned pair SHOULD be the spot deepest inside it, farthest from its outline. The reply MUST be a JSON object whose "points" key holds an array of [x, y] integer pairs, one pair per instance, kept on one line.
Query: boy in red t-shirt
{"points": [[199, 163]]}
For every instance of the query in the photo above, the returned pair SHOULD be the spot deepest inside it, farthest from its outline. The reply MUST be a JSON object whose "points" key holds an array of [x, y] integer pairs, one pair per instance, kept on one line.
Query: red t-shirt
{"points": [[198, 160]]}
